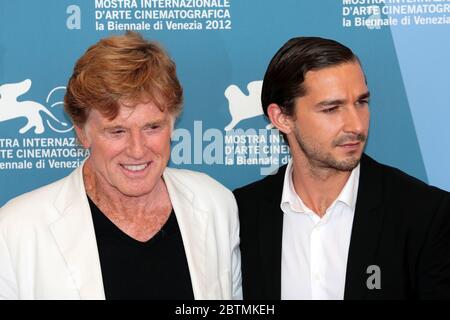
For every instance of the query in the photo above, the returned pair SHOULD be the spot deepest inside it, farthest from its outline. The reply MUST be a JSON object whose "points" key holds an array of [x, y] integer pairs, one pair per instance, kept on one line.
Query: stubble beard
{"points": [[318, 159]]}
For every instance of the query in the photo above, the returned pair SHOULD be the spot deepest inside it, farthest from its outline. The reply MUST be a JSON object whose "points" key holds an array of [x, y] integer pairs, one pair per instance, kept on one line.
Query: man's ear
{"points": [[279, 119], [82, 137]]}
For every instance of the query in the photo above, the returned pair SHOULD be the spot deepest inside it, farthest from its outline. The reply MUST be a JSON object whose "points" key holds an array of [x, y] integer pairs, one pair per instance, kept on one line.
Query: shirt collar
{"points": [[290, 198]]}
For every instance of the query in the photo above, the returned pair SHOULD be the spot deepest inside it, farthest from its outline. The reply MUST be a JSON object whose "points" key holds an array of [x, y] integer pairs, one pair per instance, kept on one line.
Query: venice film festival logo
{"points": [[11, 108], [264, 147], [244, 106], [234, 145], [29, 148]]}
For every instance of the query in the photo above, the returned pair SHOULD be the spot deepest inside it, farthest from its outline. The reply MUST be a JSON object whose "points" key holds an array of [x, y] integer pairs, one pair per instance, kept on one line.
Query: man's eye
{"points": [[363, 102], [330, 110], [153, 127], [116, 132]]}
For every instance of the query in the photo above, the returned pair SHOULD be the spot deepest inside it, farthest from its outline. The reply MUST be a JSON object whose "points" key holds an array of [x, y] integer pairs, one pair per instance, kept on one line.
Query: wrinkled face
{"points": [[331, 121], [130, 152]]}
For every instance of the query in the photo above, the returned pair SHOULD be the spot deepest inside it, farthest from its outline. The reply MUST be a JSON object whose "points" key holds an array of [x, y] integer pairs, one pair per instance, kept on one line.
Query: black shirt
{"points": [[156, 269]]}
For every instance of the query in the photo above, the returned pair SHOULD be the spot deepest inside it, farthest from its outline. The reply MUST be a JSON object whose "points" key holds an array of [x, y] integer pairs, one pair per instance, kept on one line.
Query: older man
{"points": [[123, 225]]}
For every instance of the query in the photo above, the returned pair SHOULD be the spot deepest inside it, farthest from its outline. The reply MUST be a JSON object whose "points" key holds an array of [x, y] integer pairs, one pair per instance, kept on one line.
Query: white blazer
{"points": [[48, 248]]}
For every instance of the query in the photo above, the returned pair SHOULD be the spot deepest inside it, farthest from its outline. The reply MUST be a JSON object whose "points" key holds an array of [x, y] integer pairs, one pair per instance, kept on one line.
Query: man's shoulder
{"points": [[208, 192], [271, 185], [196, 180], [399, 182]]}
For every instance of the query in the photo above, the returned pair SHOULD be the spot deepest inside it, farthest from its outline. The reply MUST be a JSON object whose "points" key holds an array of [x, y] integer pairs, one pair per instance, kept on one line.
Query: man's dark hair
{"points": [[283, 81]]}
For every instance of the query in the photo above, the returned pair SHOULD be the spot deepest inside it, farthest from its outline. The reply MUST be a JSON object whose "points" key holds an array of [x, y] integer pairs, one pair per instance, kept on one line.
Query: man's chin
{"points": [[347, 164], [134, 192]]}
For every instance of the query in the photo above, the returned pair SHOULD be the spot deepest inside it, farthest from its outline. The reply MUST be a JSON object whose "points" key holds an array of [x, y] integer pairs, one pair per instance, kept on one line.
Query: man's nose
{"points": [[354, 122], [136, 145]]}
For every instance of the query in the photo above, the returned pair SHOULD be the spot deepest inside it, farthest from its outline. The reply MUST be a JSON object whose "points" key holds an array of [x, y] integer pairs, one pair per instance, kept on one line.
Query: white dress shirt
{"points": [[314, 249]]}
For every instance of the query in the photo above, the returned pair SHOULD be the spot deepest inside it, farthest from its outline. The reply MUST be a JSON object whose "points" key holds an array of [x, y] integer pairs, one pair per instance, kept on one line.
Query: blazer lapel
{"points": [[193, 227], [366, 230], [270, 234], [75, 237]]}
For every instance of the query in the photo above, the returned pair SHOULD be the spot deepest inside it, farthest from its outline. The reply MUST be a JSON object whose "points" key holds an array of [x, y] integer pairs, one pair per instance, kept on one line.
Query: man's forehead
{"points": [[335, 75], [145, 113], [335, 69]]}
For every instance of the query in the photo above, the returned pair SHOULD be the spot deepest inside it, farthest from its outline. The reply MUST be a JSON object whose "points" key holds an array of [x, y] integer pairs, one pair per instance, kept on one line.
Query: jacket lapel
{"points": [[366, 230], [193, 224], [75, 237], [270, 234]]}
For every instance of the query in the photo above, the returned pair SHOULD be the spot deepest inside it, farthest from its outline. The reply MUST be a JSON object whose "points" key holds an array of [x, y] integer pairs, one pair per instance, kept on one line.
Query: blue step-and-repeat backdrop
{"points": [[222, 48]]}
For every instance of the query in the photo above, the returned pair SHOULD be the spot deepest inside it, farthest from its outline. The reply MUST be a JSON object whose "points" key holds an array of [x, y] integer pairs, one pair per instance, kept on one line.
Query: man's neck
{"points": [[317, 187], [111, 200]]}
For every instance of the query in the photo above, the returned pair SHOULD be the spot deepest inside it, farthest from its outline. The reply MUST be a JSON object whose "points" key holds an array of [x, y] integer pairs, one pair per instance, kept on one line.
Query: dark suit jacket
{"points": [[401, 225]]}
